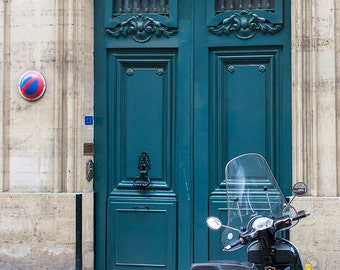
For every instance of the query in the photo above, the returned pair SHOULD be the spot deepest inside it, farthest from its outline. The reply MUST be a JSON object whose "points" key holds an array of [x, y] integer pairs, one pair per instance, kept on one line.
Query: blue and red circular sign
{"points": [[32, 85]]}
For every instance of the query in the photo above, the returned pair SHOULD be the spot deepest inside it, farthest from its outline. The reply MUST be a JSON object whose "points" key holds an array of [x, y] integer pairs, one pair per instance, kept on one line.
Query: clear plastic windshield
{"points": [[252, 192]]}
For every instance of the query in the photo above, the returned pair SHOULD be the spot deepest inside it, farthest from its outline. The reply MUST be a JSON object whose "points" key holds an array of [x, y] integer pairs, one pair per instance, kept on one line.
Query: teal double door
{"points": [[181, 87]]}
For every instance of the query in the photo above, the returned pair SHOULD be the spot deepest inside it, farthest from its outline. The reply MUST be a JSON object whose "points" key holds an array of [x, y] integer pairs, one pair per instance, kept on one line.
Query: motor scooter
{"points": [[257, 211]]}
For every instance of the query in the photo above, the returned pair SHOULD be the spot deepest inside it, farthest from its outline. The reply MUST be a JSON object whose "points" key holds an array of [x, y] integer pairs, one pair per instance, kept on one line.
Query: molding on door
{"points": [[142, 28], [245, 25]]}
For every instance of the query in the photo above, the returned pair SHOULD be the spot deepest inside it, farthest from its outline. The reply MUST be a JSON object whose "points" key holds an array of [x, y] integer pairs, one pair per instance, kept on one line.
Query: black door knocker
{"points": [[144, 165]]}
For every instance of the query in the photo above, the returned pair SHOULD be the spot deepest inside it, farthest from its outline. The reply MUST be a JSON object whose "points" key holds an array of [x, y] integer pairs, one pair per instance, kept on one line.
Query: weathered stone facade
{"points": [[38, 230], [318, 236], [315, 71], [41, 144]]}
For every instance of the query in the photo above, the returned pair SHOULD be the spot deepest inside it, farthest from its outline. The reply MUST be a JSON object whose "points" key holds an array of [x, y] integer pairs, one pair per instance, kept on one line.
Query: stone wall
{"points": [[318, 236], [42, 165], [42, 141], [38, 231], [315, 70], [316, 144]]}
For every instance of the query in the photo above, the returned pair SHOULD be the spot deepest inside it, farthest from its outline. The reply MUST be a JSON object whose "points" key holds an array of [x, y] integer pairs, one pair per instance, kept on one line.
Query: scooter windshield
{"points": [[252, 192]]}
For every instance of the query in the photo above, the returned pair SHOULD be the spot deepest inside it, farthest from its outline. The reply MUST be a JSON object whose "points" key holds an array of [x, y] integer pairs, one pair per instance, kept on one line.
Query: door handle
{"points": [[144, 165]]}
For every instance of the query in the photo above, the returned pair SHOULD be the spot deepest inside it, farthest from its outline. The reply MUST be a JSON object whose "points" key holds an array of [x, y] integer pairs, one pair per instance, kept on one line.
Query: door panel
{"points": [[142, 92], [243, 119], [141, 245], [244, 103], [141, 220]]}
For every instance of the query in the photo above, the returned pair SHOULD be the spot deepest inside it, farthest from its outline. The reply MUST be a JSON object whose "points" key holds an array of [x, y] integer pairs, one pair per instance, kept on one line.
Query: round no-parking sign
{"points": [[32, 85]]}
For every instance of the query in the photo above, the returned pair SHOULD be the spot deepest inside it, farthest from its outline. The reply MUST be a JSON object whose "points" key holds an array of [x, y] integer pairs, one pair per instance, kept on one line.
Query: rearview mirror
{"points": [[300, 189], [214, 223]]}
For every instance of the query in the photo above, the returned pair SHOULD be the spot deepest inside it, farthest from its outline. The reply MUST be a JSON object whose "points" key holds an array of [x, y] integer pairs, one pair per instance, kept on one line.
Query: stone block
{"points": [[38, 231]]}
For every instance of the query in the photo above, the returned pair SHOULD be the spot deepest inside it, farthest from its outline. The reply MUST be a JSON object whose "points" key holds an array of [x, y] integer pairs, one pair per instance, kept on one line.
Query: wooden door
{"points": [[181, 87]]}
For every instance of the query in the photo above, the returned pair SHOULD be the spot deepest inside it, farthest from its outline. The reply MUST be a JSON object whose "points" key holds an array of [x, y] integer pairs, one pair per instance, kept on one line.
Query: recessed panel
{"points": [[143, 94], [246, 103], [145, 119], [244, 106], [142, 234]]}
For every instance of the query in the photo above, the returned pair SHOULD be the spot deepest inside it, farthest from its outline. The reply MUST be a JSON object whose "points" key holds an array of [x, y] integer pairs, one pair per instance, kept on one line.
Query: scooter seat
{"points": [[224, 265]]}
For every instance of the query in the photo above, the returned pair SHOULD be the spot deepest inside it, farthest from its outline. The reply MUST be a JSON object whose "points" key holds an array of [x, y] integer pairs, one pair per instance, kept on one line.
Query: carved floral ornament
{"points": [[141, 28], [244, 25]]}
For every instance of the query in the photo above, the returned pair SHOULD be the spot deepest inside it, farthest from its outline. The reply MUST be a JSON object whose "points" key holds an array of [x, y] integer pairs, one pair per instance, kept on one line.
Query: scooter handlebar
{"points": [[300, 216], [243, 240], [236, 243]]}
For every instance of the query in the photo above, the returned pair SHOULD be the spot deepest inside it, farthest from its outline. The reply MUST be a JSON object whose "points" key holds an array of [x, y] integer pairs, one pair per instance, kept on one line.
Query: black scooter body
{"points": [[283, 255]]}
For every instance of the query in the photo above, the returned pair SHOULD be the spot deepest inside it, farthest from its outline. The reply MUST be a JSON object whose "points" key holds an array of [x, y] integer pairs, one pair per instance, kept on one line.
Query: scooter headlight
{"points": [[262, 223]]}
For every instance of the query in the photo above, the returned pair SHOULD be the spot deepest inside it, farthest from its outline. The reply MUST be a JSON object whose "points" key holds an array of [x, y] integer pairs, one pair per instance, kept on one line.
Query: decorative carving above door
{"points": [[141, 28], [142, 19], [245, 18]]}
